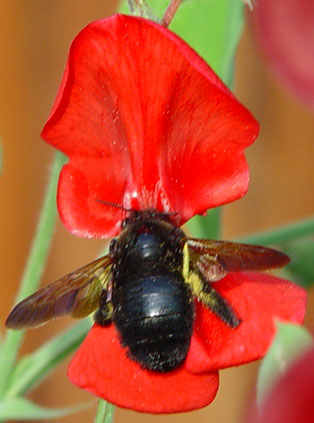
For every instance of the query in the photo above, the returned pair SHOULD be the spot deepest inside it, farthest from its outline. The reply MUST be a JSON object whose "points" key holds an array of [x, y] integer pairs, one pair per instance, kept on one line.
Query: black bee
{"points": [[146, 287]]}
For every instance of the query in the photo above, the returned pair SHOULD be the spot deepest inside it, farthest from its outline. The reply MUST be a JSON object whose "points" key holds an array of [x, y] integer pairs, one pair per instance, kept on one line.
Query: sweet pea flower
{"points": [[147, 124]]}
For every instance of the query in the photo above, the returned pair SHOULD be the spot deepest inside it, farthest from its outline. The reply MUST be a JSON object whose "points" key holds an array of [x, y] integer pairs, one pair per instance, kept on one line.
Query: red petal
{"points": [[81, 188], [139, 100], [198, 360], [285, 31], [102, 367], [258, 299], [291, 398]]}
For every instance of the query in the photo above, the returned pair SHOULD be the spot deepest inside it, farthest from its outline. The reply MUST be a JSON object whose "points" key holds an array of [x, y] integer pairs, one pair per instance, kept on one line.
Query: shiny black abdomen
{"points": [[152, 304], [154, 315]]}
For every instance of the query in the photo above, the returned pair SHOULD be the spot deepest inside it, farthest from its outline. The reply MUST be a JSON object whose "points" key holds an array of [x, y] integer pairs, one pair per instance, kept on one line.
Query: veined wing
{"points": [[214, 259], [76, 293]]}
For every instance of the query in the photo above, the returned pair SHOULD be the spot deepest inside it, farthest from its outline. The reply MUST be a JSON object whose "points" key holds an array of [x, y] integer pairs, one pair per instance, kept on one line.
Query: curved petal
{"points": [[102, 367], [285, 32], [83, 184], [258, 299], [138, 98]]}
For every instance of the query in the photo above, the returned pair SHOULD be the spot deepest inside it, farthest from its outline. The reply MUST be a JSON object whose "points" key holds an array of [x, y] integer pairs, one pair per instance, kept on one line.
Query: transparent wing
{"points": [[76, 293], [214, 259]]}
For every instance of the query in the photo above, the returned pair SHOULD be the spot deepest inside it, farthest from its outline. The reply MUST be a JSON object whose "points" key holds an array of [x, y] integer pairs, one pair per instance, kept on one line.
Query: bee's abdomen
{"points": [[154, 316]]}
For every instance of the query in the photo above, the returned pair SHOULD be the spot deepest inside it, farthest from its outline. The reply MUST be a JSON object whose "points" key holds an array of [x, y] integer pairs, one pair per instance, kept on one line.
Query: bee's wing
{"points": [[76, 293], [214, 259]]}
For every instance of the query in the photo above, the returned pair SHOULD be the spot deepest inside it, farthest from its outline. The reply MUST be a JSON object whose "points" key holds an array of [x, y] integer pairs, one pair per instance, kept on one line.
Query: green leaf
{"points": [[213, 29], [35, 367], [281, 235], [23, 409], [301, 267], [105, 412], [33, 270], [290, 342]]}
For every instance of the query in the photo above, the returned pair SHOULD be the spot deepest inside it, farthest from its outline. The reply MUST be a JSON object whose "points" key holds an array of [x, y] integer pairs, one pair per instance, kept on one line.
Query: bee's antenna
{"points": [[119, 206], [110, 204]]}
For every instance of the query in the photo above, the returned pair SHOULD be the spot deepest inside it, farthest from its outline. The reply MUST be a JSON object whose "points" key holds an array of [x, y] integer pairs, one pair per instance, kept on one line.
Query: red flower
{"points": [[285, 32], [148, 125], [291, 398]]}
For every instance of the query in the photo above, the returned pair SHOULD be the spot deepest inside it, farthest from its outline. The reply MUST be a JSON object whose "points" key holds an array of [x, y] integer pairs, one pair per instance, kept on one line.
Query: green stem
{"points": [[33, 271], [282, 234], [104, 412]]}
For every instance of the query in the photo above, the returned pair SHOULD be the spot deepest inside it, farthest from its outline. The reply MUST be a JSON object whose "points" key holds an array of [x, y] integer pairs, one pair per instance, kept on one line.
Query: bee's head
{"points": [[147, 217]]}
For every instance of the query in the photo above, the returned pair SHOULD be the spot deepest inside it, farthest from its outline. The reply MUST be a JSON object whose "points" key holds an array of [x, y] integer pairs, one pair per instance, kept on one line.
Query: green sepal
{"points": [[301, 267]]}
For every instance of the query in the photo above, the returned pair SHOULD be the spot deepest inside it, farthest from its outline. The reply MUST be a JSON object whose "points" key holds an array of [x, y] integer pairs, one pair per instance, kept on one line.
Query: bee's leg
{"points": [[103, 315], [219, 305], [213, 300]]}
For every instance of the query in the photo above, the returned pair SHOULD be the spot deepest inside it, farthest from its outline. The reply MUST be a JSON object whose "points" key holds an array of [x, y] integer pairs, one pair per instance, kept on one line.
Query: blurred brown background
{"points": [[34, 38]]}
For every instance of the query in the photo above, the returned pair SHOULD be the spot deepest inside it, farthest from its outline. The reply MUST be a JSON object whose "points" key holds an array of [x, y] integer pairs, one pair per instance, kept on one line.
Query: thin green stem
{"points": [[33, 271], [282, 234], [44, 232], [104, 412]]}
